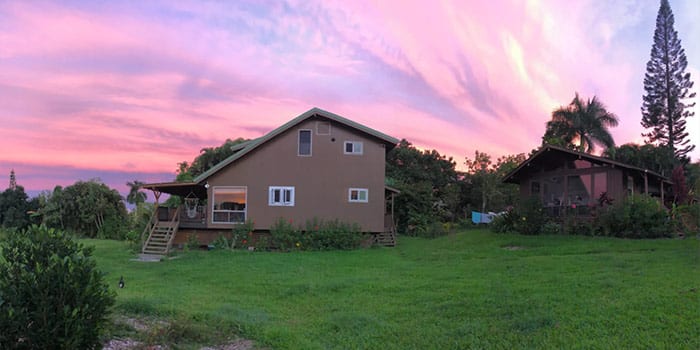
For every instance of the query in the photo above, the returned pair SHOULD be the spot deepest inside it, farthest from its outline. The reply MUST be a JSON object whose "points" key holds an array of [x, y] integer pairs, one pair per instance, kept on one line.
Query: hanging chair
{"points": [[191, 205]]}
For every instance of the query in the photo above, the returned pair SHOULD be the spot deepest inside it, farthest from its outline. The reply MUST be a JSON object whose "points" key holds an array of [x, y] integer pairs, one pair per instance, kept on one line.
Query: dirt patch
{"points": [[240, 344], [513, 247], [144, 326]]}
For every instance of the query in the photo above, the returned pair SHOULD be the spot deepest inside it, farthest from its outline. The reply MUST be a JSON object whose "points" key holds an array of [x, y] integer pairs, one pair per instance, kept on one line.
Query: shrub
{"points": [[551, 228], [193, 241], [505, 222], [531, 216], [687, 218], [221, 242], [51, 293], [240, 234], [638, 216], [283, 235], [314, 235], [329, 235], [576, 226], [438, 229]]}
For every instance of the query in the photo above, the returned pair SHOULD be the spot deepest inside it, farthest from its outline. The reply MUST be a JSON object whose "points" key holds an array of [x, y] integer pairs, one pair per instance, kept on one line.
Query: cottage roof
{"points": [[549, 153], [245, 148]]}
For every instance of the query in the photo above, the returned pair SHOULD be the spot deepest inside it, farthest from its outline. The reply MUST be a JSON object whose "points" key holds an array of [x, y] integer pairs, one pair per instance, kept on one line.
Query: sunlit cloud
{"points": [[133, 89]]}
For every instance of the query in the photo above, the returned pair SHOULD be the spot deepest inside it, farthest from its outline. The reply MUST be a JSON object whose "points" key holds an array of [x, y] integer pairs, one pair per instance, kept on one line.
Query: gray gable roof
{"points": [[246, 147], [510, 177]]}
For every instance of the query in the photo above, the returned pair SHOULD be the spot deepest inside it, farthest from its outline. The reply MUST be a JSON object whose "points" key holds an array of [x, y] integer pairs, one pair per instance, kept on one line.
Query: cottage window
{"points": [[358, 195], [304, 142], [353, 147], [281, 196], [229, 204]]}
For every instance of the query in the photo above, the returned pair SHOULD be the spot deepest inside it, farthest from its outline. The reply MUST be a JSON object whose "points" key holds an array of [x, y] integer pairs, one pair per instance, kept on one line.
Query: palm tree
{"points": [[581, 125], [135, 195]]}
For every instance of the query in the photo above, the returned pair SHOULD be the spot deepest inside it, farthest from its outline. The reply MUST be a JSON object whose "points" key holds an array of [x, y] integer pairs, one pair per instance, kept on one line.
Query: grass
{"points": [[460, 291]]}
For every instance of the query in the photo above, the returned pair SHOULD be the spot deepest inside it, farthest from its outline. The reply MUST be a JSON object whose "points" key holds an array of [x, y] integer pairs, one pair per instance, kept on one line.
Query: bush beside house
{"points": [[638, 216]]}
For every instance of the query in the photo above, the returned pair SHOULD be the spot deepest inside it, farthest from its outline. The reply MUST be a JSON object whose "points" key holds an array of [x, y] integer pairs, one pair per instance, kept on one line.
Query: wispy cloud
{"points": [[135, 88]]}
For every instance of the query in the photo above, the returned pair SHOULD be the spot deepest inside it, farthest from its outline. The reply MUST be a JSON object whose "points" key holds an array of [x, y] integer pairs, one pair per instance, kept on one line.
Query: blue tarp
{"points": [[476, 217], [482, 218]]}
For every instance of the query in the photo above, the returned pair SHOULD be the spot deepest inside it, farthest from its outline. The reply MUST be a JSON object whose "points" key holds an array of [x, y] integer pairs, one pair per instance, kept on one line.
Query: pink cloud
{"points": [[117, 87]]}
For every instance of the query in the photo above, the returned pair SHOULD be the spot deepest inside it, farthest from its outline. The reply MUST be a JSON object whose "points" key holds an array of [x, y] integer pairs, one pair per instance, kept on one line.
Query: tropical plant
{"points": [[581, 125], [135, 196], [680, 189], [667, 86]]}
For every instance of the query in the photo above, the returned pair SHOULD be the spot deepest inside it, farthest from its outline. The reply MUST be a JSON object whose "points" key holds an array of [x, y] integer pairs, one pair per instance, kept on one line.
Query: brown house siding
{"points": [[321, 181]]}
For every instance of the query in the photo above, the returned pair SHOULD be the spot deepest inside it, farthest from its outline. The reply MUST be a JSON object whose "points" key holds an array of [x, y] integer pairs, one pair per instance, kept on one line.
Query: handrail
{"points": [[174, 222], [149, 228]]}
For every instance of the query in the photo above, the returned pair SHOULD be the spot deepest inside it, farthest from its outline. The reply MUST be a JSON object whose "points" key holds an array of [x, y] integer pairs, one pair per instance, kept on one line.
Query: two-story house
{"points": [[318, 165]]}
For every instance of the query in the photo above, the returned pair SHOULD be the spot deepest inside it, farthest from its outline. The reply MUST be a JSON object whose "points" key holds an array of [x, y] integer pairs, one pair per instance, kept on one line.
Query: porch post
{"points": [[646, 183], [662, 191], [156, 194]]}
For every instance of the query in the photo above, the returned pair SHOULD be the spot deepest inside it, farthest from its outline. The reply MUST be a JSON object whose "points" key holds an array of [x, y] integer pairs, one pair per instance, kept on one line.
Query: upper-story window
{"points": [[304, 142], [353, 147], [358, 195], [281, 196]]}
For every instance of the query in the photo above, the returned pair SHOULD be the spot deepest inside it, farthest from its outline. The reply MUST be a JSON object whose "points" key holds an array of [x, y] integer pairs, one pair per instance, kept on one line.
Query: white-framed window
{"points": [[358, 195], [304, 142], [229, 204], [352, 147], [323, 128], [281, 196]]}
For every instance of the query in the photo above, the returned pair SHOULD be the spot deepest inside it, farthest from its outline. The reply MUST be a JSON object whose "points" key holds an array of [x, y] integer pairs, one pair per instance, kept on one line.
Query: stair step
{"points": [[161, 235], [387, 239]]}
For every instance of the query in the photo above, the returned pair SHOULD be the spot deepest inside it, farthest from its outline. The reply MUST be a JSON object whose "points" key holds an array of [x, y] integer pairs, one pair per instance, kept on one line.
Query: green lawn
{"points": [[455, 292]]}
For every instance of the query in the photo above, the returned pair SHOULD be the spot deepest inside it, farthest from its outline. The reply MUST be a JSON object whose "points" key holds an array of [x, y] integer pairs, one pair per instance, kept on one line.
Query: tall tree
{"points": [[665, 106], [428, 184], [648, 156], [88, 208], [14, 207], [581, 125], [483, 183], [207, 158]]}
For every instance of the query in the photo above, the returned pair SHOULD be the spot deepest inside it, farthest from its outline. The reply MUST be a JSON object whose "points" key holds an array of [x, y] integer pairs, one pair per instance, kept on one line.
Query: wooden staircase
{"points": [[161, 234], [387, 239]]}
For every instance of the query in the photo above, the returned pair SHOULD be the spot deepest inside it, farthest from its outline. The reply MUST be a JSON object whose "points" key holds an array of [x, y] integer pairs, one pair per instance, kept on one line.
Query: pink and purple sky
{"points": [[124, 90]]}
